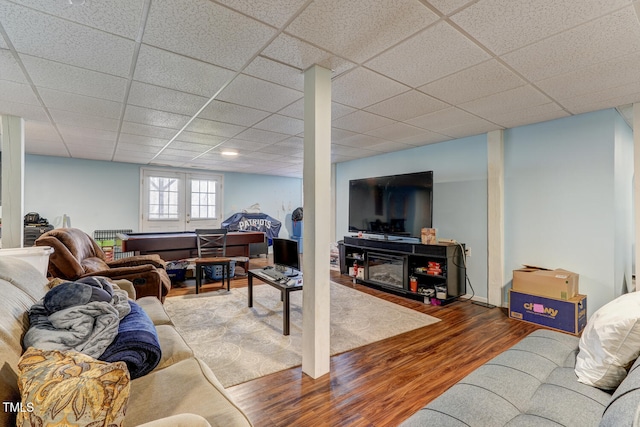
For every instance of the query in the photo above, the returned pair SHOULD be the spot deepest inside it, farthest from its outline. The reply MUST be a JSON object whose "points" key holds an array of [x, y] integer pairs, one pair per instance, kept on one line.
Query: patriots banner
{"points": [[253, 222]]}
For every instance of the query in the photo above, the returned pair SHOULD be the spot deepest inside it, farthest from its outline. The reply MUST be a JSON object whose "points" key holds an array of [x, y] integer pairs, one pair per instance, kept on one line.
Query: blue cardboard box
{"points": [[563, 315]]}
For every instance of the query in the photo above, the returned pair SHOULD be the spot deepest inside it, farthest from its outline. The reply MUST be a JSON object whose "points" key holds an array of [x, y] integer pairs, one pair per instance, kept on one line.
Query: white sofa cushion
{"points": [[610, 343]]}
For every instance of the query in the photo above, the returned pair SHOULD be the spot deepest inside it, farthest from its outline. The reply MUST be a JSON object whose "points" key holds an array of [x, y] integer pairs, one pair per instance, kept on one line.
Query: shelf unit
{"points": [[439, 267]]}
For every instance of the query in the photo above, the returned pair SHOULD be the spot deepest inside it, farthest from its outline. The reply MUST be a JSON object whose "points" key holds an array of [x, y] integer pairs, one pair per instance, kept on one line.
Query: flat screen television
{"points": [[395, 205], [285, 256]]}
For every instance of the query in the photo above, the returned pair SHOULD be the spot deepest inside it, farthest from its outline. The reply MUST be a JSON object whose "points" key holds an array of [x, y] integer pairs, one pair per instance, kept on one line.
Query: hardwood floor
{"points": [[381, 384]]}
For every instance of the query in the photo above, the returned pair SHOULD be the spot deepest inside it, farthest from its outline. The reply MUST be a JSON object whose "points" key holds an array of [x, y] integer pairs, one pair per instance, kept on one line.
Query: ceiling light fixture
{"points": [[229, 153], [77, 2]]}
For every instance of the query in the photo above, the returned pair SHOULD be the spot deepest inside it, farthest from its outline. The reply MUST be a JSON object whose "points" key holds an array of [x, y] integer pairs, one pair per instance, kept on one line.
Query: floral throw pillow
{"points": [[71, 389]]}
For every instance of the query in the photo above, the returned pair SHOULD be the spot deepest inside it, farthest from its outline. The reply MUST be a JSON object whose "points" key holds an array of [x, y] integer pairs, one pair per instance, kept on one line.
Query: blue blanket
{"points": [[136, 344]]}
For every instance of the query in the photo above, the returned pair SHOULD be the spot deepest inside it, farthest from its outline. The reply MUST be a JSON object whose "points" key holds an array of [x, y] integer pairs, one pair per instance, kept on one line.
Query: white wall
{"points": [[106, 195], [459, 193]]}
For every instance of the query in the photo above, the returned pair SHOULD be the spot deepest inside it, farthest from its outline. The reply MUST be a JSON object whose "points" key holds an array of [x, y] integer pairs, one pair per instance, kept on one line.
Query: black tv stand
{"points": [[389, 264]]}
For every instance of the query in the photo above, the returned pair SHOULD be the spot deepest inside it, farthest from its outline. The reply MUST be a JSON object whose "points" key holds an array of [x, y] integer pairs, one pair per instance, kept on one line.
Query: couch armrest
{"points": [[180, 420], [126, 286], [136, 260]]}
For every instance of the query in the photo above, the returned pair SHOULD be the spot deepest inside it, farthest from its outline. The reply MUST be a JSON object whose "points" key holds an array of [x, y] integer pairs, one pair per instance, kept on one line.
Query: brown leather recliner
{"points": [[77, 255]]}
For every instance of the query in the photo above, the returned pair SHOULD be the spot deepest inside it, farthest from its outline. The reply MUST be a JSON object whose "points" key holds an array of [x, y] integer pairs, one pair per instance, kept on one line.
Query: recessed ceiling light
{"points": [[229, 153], [77, 2]]}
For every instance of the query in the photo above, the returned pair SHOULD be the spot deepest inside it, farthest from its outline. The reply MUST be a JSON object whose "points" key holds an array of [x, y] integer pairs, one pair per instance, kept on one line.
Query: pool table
{"points": [[180, 245]]}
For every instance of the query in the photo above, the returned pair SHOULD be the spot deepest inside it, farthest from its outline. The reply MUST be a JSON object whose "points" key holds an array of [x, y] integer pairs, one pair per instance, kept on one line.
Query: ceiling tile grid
{"points": [[164, 82]]}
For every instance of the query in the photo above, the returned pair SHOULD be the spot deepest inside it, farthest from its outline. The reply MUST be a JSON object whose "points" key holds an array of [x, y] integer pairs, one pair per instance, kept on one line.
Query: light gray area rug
{"points": [[241, 343]]}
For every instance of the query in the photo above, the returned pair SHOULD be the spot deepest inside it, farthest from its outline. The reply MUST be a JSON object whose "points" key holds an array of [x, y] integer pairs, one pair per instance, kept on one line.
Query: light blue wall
{"points": [[106, 195], [278, 196], [562, 206], [459, 193]]}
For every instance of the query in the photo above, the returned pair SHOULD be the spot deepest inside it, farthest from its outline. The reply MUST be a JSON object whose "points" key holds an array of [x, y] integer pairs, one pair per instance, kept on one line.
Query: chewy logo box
{"points": [[567, 316]]}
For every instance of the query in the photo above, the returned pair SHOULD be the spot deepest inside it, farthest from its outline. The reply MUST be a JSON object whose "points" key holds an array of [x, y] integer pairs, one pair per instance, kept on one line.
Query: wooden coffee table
{"points": [[282, 287]]}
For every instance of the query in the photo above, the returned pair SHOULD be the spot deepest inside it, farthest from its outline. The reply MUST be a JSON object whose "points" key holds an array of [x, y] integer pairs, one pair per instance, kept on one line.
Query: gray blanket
{"points": [[88, 328]]}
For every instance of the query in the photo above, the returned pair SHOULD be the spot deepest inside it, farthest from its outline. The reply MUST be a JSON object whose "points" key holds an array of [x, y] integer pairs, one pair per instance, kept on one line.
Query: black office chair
{"points": [[212, 247]]}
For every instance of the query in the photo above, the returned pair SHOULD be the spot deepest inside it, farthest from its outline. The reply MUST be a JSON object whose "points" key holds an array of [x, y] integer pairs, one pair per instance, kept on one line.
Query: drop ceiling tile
{"points": [[141, 140], [77, 135], [619, 71], [82, 149], [275, 72], [132, 157], [57, 100], [470, 128], [261, 136], [343, 150], [148, 116], [232, 113], [339, 134], [45, 36], [273, 12], [137, 148], [121, 17], [67, 78], [295, 110], [506, 102], [533, 114], [360, 29], [212, 127], [261, 156], [361, 121], [17, 92], [449, 6], [46, 148], [199, 138], [339, 110], [26, 111], [260, 94], [161, 68], [281, 124], [505, 25], [91, 155], [41, 131], [146, 130], [444, 119], [430, 51], [396, 131], [361, 141], [163, 99], [301, 55], [390, 146], [609, 98], [474, 82], [244, 144], [10, 69], [70, 118], [206, 31], [609, 37], [425, 138], [407, 106], [361, 88]]}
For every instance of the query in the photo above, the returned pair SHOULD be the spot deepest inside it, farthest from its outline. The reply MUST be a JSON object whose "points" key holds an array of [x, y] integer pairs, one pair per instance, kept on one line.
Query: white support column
{"points": [[495, 217], [12, 181], [636, 186], [317, 221]]}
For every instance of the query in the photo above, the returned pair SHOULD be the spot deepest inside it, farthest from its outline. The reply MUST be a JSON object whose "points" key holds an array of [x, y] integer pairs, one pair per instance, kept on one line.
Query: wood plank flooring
{"points": [[381, 384]]}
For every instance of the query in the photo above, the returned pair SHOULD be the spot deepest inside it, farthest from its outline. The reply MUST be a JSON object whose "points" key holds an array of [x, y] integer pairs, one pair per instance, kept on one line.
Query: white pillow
{"points": [[610, 343]]}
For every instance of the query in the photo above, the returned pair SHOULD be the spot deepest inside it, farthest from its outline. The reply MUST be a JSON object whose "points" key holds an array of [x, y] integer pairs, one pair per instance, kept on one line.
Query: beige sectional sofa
{"points": [[180, 391]]}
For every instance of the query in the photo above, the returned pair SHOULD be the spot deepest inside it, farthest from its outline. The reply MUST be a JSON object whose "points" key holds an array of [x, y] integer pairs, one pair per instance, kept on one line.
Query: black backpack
{"points": [[297, 215]]}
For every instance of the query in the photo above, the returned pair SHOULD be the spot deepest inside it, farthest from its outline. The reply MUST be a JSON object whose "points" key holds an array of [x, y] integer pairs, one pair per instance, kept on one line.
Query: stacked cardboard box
{"points": [[549, 298]]}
